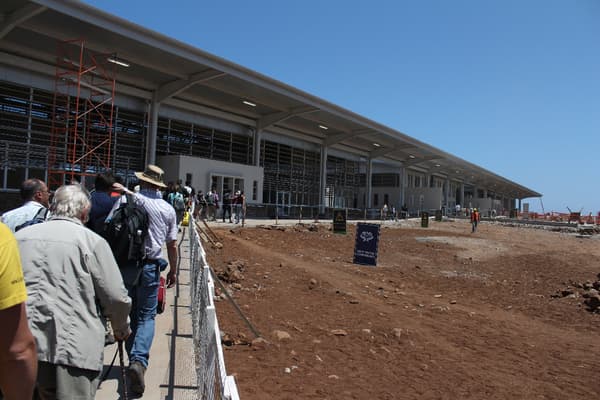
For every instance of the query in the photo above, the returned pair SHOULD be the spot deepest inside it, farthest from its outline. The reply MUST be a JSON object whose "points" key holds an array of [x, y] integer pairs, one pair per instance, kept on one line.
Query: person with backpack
{"points": [[102, 201], [35, 196], [168, 190], [177, 200], [72, 282], [142, 276]]}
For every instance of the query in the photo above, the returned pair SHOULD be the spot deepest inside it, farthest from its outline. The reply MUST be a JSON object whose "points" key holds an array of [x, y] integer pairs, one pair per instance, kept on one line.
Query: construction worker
{"points": [[475, 217]]}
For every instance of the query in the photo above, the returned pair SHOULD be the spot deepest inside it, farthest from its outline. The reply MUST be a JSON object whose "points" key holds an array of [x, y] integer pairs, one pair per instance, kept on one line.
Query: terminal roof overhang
{"points": [[178, 74]]}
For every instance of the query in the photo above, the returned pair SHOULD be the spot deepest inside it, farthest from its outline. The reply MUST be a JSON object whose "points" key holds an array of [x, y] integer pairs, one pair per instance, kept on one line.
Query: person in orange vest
{"points": [[475, 217]]}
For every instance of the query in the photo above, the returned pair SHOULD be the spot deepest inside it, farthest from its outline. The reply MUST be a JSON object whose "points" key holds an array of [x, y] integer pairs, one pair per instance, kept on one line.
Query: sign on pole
{"points": [[339, 221], [366, 244]]}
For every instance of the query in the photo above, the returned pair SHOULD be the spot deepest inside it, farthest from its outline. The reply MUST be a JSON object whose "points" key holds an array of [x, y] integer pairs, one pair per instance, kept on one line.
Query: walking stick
{"points": [[123, 372]]}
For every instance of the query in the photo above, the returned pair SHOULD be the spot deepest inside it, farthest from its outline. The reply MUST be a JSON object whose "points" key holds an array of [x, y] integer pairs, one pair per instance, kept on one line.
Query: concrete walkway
{"points": [[171, 374]]}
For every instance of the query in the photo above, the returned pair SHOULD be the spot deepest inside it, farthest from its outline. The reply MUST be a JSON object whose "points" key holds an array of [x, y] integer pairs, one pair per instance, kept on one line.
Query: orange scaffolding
{"points": [[82, 117]]}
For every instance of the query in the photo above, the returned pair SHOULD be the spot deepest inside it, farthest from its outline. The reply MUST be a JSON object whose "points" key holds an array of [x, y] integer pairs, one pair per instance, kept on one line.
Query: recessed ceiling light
{"points": [[376, 145], [411, 156], [437, 165], [249, 103], [323, 127], [117, 61]]}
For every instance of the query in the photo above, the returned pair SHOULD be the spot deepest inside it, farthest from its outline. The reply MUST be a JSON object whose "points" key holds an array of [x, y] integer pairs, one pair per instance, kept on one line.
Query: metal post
{"points": [[152, 132]]}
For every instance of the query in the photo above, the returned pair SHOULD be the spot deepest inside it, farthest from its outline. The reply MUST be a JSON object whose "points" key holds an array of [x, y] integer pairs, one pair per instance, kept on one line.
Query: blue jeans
{"points": [[238, 213], [142, 285]]}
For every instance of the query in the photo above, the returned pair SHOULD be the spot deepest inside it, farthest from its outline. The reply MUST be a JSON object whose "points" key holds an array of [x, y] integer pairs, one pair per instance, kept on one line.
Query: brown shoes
{"points": [[136, 373]]}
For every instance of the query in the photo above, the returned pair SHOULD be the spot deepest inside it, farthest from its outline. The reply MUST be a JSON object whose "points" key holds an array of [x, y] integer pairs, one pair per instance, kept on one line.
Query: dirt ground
{"points": [[445, 314]]}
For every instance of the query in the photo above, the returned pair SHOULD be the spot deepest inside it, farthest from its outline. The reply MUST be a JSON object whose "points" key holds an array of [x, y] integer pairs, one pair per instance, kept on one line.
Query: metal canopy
{"points": [[175, 72]]}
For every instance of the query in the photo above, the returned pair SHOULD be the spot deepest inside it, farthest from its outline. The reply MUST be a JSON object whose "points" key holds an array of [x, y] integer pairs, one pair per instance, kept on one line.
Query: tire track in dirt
{"points": [[479, 348], [348, 281]]}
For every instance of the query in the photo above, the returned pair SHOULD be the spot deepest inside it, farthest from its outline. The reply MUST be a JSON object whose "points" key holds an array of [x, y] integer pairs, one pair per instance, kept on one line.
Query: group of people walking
{"points": [[60, 281], [205, 205], [233, 206]]}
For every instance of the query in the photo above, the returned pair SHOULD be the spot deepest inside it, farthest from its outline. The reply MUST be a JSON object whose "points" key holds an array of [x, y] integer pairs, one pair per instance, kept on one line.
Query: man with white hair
{"points": [[72, 280]]}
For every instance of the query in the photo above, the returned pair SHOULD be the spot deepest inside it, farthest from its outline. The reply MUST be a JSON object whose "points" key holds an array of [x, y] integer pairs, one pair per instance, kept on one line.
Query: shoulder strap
{"points": [[41, 214]]}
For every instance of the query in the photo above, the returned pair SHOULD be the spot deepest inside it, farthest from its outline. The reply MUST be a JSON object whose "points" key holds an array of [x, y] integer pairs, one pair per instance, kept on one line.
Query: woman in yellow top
{"points": [[18, 356]]}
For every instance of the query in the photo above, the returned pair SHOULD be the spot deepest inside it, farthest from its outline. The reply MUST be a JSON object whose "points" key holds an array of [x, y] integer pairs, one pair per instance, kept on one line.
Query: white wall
{"points": [[432, 198], [392, 192], [486, 206], [176, 167]]}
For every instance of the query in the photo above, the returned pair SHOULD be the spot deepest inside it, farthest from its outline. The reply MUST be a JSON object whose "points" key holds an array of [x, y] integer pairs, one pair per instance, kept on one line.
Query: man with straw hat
{"points": [[142, 281]]}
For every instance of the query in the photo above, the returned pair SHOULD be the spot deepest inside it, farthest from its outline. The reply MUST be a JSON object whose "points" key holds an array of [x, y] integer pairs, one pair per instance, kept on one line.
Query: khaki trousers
{"points": [[59, 382]]}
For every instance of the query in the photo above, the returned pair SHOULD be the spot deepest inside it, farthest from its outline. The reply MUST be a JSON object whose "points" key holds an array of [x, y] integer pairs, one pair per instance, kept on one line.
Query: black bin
{"points": [[424, 219]]}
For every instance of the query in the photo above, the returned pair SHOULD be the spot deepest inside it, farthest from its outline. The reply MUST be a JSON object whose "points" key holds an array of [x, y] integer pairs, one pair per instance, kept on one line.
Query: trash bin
{"points": [[424, 219], [438, 215]]}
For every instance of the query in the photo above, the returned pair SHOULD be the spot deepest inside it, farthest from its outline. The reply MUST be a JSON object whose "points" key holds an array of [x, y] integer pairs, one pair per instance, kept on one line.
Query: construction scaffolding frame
{"points": [[82, 114]]}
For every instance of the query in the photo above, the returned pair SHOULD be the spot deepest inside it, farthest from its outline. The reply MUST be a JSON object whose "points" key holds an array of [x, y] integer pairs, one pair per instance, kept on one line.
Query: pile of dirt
{"points": [[445, 314], [589, 291]]}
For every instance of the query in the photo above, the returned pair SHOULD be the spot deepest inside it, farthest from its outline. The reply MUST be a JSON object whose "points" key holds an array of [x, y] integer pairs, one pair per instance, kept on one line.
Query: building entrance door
{"points": [[282, 205]]}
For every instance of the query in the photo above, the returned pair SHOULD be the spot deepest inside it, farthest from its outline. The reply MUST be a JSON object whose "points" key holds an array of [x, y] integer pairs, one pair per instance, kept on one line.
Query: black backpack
{"points": [[126, 232], [40, 217]]}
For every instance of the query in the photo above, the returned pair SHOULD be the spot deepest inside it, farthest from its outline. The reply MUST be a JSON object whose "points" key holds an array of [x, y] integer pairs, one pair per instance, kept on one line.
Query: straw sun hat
{"points": [[152, 175]]}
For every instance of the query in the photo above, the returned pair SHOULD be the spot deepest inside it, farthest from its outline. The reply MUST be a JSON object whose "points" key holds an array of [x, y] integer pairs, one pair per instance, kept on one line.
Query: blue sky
{"points": [[510, 85]]}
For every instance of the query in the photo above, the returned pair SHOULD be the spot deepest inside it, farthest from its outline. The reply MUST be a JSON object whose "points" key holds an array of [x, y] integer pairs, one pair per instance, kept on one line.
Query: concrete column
{"points": [[323, 178], [519, 205], [152, 132], [369, 183], [446, 192], [402, 188], [485, 193], [462, 195], [257, 140]]}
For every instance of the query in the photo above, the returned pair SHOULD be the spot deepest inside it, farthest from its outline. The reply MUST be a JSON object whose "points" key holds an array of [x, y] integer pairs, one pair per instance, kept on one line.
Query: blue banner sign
{"points": [[366, 244]]}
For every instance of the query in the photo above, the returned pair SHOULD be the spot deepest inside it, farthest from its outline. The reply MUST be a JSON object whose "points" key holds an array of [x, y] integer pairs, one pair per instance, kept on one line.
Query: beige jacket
{"points": [[72, 278]]}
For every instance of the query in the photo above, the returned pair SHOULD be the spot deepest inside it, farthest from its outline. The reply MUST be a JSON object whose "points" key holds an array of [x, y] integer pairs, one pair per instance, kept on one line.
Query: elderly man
{"points": [[72, 280], [35, 196], [142, 278]]}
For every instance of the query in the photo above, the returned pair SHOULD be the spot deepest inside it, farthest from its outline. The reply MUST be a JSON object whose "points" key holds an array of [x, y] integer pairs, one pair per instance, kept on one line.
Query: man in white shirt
{"points": [[35, 195], [142, 278]]}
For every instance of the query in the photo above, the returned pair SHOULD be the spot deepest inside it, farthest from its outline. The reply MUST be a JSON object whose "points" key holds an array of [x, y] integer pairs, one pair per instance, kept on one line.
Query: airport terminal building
{"points": [[82, 91]]}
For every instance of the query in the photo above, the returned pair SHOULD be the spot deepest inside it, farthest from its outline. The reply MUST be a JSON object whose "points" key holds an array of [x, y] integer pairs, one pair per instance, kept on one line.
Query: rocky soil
{"points": [[508, 312]]}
